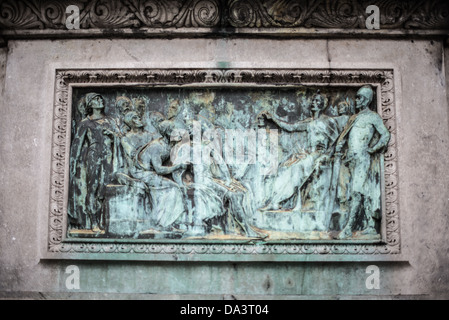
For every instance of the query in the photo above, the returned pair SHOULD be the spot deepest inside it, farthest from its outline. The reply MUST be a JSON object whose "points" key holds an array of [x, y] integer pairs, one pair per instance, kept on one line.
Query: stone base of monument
{"points": [[127, 211]]}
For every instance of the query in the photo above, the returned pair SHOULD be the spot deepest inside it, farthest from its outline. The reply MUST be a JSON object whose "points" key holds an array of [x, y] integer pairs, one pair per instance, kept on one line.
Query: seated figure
{"points": [[145, 157]]}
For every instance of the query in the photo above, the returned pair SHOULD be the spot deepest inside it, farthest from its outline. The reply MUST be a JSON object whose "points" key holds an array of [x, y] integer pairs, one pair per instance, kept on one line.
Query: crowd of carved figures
{"points": [[326, 179]]}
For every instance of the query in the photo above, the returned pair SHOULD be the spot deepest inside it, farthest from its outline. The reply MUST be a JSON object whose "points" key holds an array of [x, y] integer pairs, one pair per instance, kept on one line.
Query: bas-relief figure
{"points": [[365, 136], [93, 159], [137, 173]]}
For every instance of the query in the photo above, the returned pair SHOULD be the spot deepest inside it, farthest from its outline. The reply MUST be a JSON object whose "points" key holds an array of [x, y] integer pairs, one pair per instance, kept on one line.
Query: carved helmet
{"points": [[90, 97], [367, 92], [83, 105]]}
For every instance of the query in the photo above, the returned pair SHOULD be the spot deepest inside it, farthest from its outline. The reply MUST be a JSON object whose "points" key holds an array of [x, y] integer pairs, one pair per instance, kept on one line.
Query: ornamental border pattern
{"points": [[140, 14], [383, 78]]}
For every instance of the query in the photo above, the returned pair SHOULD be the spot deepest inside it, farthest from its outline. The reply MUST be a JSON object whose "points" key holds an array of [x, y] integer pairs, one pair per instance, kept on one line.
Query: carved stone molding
{"points": [[59, 246], [138, 14]]}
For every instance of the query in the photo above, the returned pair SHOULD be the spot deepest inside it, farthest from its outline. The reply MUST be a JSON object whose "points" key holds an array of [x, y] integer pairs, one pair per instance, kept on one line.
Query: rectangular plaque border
{"points": [[58, 247]]}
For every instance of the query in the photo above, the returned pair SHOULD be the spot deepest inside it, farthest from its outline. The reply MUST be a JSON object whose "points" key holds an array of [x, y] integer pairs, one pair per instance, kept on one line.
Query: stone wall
{"points": [[446, 65], [28, 82]]}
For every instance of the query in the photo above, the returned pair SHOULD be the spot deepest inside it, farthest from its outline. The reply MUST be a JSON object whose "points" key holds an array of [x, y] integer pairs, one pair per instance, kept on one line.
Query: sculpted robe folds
{"points": [[166, 196], [93, 158], [171, 170]]}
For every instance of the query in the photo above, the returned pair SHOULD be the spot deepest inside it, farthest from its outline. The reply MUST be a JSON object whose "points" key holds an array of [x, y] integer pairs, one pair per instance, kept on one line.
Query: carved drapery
{"points": [[139, 14], [57, 243]]}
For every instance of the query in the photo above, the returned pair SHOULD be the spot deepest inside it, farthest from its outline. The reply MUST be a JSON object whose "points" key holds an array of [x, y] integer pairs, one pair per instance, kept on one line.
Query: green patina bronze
{"points": [[226, 164]]}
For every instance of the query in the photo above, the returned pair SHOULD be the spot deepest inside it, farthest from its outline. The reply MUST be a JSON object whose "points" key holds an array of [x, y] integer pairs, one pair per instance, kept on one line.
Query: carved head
{"points": [[123, 104], [345, 108], [139, 105], [156, 118], [208, 112], [173, 109], [132, 120], [318, 102], [94, 101], [165, 128], [173, 131], [364, 97], [229, 108]]}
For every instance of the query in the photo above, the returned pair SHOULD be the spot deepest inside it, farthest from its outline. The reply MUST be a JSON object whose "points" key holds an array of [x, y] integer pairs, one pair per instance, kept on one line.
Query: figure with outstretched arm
{"points": [[321, 131], [290, 127]]}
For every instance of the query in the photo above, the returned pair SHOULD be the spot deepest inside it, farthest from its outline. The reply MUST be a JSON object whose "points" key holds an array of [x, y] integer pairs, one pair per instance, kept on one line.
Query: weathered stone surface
{"points": [[423, 149], [3, 55], [446, 66], [114, 14]]}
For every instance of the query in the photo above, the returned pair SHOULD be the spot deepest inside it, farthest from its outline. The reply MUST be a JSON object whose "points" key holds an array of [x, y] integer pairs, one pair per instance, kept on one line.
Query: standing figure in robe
{"points": [[93, 158]]}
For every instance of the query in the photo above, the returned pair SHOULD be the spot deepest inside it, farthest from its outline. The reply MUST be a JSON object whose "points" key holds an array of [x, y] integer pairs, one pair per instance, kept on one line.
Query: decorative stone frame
{"points": [[25, 15], [60, 247]]}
